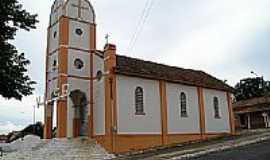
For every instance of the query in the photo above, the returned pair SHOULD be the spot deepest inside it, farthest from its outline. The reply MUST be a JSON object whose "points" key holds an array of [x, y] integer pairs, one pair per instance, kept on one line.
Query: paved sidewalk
{"points": [[197, 149], [257, 151]]}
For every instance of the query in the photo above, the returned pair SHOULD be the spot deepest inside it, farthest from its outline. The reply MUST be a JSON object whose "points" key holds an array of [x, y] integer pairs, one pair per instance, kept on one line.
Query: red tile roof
{"points": [[146, 69], [253, 102]]}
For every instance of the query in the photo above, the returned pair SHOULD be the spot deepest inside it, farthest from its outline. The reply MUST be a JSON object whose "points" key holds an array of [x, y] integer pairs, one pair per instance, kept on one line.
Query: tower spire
{"points": [[80, 7]]}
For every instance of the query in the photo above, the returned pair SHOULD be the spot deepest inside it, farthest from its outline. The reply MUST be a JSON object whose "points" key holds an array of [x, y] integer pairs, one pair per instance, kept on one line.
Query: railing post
{"points": [[1, 152]]}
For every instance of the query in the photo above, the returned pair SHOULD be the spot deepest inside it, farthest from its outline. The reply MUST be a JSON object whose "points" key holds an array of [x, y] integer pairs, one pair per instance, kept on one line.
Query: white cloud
{"points": [[20, 112], [222, 40]]}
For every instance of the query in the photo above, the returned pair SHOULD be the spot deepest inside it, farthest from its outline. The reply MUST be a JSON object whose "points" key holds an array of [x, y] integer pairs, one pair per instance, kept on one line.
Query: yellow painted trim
{"points": [[201, 111], [63, 59], [231, 114], [163, 110]]}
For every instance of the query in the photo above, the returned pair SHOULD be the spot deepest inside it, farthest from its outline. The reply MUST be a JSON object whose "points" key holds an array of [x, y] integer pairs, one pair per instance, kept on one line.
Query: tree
{"points": [[14, 81], [252, 87]]}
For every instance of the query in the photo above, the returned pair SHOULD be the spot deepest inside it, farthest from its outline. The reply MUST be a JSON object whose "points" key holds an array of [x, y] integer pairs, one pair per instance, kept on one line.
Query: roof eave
{"points": [[230, 89]]}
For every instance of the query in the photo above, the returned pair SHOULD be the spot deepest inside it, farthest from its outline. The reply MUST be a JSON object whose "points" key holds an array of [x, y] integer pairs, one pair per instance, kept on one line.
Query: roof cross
{"points": [[107, 36], [80, 8]]}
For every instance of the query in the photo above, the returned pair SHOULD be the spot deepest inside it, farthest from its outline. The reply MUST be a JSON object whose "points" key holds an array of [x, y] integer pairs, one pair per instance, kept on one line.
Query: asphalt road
{"points": [[260, 151]]}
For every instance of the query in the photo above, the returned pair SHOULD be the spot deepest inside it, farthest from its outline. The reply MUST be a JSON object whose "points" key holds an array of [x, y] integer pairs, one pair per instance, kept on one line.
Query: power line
{"points": [[142, 21], [139, 23]]}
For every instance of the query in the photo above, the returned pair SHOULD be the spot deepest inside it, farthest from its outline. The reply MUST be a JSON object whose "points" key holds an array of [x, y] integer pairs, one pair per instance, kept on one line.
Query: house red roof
{"points": [[253, 102], [147, 69]]}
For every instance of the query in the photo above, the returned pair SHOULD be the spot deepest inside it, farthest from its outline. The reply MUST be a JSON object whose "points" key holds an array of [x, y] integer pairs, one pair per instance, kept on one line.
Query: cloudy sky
{"points": [[226, 38]]}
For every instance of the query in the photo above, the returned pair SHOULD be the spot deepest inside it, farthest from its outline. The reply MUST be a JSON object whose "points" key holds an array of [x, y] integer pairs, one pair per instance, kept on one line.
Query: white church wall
{"points": [[79, 41], [54, 38], [99, 107], [98, 64], [128, 122], [72, 11], [213, 124], [57, 11], [82, 85], [52, 85], [99, 97], [52, 70], [176, 123], [87, 15], [84, 57]]}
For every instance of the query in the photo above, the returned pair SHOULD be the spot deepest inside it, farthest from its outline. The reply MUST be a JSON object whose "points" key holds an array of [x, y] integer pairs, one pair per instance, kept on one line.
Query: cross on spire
{"points": [[107, 36], [80, 8]]}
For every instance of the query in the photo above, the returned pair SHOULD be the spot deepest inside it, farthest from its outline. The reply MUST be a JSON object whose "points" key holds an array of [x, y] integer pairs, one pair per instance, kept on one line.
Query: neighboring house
{"points": [[124, 103], [3, 138], [252, 113]]}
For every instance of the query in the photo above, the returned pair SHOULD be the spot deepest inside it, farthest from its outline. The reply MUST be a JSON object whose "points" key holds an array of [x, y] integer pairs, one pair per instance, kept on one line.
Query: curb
{"points": [[203, 151]]}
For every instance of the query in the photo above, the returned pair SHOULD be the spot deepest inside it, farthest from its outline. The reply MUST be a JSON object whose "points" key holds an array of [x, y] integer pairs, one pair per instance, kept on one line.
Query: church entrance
{"points": [[80, 104]]}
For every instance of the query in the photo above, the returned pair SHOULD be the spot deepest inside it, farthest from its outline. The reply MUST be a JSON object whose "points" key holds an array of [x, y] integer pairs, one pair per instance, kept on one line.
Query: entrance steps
{"points": [[61, 149]]}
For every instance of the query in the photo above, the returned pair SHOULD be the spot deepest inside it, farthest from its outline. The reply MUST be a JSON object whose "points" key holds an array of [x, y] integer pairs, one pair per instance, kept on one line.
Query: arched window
{"points": [[183, 104], [139, 101], [216, 108], [99, 75]]}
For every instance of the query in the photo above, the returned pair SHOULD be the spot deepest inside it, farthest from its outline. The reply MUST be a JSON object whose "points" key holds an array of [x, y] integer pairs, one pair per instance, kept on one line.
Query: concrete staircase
{"points": [[61, 149]]}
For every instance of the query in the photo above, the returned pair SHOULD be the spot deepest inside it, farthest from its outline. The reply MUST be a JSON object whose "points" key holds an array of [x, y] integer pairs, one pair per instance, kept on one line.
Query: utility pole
{"points": [[34, 114]]}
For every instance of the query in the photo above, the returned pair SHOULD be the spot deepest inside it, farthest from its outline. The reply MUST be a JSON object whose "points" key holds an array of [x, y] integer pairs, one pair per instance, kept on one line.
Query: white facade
{"points": [[52, 85], [213, 124], [130, 123], [99, 97], [150, 123], [54, 38], [82, 41], [176, 123], [84, 57], [53, 66]]}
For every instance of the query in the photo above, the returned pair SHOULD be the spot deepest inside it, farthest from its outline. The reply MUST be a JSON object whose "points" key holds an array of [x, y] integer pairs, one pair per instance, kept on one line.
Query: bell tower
{"points": [[71, 42]]}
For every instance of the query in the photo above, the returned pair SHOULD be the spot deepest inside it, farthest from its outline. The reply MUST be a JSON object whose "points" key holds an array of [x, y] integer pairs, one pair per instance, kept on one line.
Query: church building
{"points": [[124, 103]]}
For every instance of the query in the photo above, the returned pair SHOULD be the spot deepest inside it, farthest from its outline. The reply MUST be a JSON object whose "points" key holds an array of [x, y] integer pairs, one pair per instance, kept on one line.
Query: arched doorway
{"points": [[80, 104]]}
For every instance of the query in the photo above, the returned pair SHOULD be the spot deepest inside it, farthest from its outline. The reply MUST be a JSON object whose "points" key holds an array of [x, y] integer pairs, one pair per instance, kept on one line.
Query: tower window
{"points": [[216, 108], [54, 65], [79, 31], [99, 75], [183, 104], [54, 34], [78, 63], [139, 105]]}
